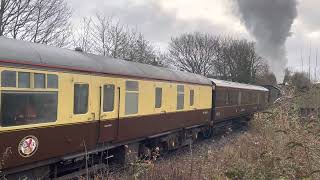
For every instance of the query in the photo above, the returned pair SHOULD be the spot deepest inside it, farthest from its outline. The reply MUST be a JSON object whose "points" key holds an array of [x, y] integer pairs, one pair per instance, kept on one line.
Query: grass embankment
{"points": [[278, 145]]}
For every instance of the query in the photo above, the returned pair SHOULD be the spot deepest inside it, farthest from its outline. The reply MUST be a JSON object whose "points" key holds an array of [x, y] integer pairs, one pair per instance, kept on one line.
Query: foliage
{"points": [[279, 145], [299, 80]]}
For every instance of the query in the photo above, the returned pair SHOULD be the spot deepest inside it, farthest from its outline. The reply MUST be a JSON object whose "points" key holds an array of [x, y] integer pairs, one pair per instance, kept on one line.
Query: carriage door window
{"points": [[191, 97], [81, 95], [108, 98], [132, 97], [158, 98], [180, 97], [8, 79]]}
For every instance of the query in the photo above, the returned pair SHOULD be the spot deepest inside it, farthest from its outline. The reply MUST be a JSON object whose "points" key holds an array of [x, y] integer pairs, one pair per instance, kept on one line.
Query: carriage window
{"points": [[191, 97], [81, 94], [52, 81], [22, 108], [108, 98], [239, 98], [132, 97], [227, 98], [158, 98], [180, 97], [39, 80], [8, 79], [24, 80]]}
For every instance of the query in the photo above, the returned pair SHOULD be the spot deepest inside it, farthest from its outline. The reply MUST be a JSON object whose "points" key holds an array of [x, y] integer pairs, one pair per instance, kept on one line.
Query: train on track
{"points": [[62, 110]]}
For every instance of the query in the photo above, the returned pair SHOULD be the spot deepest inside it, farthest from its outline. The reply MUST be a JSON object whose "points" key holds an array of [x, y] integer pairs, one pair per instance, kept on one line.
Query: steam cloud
{"points": [[270, 21]]}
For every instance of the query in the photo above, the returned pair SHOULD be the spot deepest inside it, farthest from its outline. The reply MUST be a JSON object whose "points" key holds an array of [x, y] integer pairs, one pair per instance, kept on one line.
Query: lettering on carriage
{"points": [[218, 114], [243, 109], [205, 112]]}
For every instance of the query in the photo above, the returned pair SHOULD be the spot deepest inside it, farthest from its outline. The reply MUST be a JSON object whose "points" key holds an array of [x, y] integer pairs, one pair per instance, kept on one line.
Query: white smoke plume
{"points": [[270, 21]]}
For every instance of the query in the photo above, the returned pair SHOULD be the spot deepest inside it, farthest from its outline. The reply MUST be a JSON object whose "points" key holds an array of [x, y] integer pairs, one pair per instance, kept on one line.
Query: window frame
{"points": [[103, 99], [130, 91], [88, 94], [15, 79], [18, 83], [191, 100], [47, 81], [155, 99], [44, 83], [17, 91], [180, 93]]}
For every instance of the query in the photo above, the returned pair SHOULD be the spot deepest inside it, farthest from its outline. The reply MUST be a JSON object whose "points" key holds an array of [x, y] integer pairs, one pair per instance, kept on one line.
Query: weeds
{"points": [[279, 145]]}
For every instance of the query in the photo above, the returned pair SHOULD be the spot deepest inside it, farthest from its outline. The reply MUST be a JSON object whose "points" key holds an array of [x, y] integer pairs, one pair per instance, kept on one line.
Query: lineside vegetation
{"points": [[279, 144]]}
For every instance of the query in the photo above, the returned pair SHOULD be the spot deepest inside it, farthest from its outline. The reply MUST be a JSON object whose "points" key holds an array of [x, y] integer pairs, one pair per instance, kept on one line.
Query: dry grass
{"points": [[279, 145]]}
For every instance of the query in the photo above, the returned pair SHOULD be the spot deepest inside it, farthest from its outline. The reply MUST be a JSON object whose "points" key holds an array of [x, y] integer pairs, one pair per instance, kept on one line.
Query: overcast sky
{"points": [[159, 20]]}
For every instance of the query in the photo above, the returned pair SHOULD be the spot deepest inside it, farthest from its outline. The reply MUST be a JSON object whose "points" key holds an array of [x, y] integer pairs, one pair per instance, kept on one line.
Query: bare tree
{"points": [[237, 60], [14, 14], [264, 76], [194, 52], [39, 21], [100, 34], [50, 23], [111, 38], [82, 38]]}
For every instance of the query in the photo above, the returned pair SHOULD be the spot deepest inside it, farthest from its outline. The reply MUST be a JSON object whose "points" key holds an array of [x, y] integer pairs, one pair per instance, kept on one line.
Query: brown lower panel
{"points": [[52, 142], [136, 127], [58, 141], [228, 112]]}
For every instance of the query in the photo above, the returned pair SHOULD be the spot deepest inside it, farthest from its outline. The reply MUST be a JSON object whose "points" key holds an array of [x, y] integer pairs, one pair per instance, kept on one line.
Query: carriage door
{"points": [[109, 111]]}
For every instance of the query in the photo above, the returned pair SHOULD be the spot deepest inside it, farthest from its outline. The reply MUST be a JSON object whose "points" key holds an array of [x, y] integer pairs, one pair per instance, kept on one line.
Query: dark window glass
{"points": [[52, 81], [158, 98], [132, 97], [108, 98], [39, 80], [24, 80], [191, 97], [227, 97], [132, 100], [221, 97], [132, 86], [180, 97], [20, 108], [81, 94], [8, 79]]}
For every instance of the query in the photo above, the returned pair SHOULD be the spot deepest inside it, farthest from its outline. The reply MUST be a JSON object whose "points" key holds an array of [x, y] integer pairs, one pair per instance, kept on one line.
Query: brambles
{"points": [[278, 145]]}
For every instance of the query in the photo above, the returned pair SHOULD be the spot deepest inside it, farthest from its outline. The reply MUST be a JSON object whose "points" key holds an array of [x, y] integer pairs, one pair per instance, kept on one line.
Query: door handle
{"points": [[93, 115], [103, 116]]}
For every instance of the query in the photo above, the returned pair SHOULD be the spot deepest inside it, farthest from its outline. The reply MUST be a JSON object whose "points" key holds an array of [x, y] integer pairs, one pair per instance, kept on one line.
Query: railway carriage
{"points": [[237, 99], [57, 103], [62, 110]]}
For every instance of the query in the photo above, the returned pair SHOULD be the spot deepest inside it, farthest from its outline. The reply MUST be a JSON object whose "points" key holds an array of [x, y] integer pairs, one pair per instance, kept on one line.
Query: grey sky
{"points": [[161, 19]]}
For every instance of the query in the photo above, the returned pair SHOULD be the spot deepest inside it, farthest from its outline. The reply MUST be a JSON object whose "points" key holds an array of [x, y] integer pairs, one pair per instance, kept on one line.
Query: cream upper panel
{"points": [[146, 97]]}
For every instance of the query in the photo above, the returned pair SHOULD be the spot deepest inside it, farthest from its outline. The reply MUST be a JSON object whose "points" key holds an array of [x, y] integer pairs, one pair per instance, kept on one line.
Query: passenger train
{"points": [[61, 107]]}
